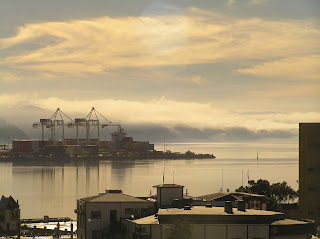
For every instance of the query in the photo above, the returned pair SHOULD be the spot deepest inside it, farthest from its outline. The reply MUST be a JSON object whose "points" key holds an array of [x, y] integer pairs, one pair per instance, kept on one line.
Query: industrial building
{"points": [[309, 171], [53, 142]]}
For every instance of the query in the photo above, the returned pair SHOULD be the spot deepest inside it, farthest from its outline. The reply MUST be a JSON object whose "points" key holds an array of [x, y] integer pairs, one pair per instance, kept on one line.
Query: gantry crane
{"points": [[90, 123], [54, 124], [92, 120]]}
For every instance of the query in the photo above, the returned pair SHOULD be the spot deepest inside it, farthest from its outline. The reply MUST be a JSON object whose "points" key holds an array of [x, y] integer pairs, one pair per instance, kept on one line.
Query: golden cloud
{"points": [[99, 45], [305, 67], [166, 112]]}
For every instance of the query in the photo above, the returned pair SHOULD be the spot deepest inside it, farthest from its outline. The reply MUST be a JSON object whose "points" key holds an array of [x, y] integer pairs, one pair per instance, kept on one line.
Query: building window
{"points": [[95, 214], [136, 211], [144, 210], [113, 215], [128, 211], [14, 214]]}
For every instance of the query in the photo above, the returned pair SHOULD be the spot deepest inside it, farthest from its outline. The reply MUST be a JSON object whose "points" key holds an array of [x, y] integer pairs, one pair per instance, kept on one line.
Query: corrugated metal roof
{"points": [[209, 197]]}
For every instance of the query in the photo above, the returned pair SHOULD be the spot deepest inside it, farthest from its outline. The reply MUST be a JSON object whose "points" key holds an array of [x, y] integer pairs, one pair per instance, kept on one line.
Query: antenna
{"points": [[163, 177], [242, 180], [173, 178], [222, 182]]}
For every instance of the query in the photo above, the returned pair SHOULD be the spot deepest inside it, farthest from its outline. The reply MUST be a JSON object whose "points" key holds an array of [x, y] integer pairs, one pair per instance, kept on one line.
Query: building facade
{"points": [[201, 222], [167, 193], [9, 216], [309, 171], [101, 216]]}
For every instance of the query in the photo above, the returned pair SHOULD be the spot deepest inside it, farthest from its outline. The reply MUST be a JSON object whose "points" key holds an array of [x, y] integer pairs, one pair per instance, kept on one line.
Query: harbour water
{"points": [[53, 188]]}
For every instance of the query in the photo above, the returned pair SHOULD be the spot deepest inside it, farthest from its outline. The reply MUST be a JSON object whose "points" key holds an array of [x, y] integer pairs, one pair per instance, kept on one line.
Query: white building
{"points": [[101, 216]]}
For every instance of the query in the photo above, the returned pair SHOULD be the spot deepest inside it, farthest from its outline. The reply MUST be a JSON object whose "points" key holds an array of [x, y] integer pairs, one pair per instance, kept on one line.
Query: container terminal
{"points": [[87, 143]]}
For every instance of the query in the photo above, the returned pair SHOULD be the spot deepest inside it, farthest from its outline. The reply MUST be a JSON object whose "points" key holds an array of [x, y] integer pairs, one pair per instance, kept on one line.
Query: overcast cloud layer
{"points": [[199, 64]]}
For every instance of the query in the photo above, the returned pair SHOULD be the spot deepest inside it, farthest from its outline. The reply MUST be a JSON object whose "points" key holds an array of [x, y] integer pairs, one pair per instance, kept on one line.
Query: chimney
{"points": [[228, 207], [241, 206]]}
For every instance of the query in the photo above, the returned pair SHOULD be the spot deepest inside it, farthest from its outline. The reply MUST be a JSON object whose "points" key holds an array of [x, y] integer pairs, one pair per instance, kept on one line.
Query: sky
{"points": [[251, 64]]}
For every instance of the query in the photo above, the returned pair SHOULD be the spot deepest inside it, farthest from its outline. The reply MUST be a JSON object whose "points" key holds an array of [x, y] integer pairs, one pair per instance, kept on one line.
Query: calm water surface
{"points": [[52, 189]]}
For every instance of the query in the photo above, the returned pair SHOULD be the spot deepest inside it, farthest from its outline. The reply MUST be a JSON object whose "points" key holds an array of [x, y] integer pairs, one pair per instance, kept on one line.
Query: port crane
{"points": [[93, 122], [54, 124]]}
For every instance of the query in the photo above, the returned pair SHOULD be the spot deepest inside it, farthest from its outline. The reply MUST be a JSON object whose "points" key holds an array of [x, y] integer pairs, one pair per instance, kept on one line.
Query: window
{"points": [[113, 215], [136, 211], [14, 214], [144, 210], [95, 214], [128, 211]]}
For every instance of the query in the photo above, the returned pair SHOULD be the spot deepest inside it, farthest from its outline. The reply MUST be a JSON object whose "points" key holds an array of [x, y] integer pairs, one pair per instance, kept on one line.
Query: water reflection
{"points": [[52, 188]]}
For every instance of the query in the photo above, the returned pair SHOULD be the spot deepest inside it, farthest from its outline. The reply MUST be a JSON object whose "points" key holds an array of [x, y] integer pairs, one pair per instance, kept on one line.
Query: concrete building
{"points": [[101, 216], [9, 216], [167, 193], [309, 171], [201, 222]]}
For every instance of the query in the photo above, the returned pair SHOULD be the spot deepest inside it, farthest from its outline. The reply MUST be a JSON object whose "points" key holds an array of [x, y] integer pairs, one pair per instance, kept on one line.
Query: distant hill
{"points": [[9, 131]]}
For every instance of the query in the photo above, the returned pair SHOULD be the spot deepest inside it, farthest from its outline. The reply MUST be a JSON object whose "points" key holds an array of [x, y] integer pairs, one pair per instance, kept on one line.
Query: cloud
{"points": [[230, 3], [165, 112], [183, 133], [7, 76], [193, 36], [304, 67], [198, 80], [257, 2]]}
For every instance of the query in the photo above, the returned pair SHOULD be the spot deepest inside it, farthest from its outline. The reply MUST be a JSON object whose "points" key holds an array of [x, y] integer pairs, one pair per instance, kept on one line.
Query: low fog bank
{"points": [[186, 134], [16, 123], [157, 133]]}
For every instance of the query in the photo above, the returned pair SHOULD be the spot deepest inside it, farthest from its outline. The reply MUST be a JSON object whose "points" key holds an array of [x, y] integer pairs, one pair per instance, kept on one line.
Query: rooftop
{"points": [[8, 203], [113, 197], [168, 186], [201, 210], [147, 220], [235, 196]]}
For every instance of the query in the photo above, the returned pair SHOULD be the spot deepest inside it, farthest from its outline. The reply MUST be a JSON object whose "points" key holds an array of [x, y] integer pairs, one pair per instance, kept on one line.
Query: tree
{"points": [[276, 193], [180, 229]]}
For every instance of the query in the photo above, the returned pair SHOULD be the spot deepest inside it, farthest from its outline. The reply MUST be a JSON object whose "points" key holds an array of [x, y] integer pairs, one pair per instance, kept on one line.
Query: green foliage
{"points": [[180, 229], [276, 193]]}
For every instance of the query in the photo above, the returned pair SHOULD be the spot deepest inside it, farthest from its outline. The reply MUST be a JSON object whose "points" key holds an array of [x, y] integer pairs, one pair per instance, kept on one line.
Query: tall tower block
{"points": [[309, 171]]}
